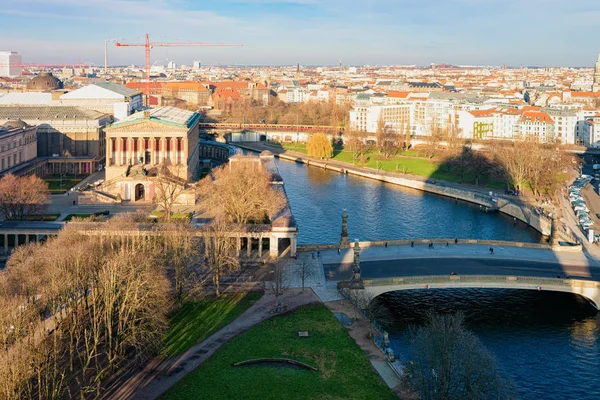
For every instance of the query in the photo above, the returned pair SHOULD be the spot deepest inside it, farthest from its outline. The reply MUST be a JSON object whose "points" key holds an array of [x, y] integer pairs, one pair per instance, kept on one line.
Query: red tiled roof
{"points": [[482, 113], [536, 116], [585, 94], [397, 94]]}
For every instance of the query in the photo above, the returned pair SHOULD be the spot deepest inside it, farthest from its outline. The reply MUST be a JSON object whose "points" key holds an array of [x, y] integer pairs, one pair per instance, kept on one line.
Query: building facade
{"points": [[596, 85], [18, 145], [140, 145], [71, 134], [10, 64]]}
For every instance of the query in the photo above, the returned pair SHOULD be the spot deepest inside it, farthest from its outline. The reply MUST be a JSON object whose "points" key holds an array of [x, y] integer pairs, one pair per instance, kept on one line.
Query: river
{"points": [[548, 343], [382, 211]]}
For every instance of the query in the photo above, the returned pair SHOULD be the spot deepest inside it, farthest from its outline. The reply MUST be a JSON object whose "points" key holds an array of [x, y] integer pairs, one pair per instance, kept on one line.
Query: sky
{"points": [[309, 32]]}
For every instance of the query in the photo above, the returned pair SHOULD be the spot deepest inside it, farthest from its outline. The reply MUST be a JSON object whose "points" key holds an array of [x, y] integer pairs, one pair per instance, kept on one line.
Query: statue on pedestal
{"points": [[344, 236]]}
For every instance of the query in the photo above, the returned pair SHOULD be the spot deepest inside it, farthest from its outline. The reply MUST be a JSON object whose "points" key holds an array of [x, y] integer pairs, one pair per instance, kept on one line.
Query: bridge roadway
{"points": [[463, 259], [386, 269]]}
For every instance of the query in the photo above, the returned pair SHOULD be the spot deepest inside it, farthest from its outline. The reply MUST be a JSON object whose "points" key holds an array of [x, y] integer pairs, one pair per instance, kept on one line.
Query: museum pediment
{"points": [[145, 126]]}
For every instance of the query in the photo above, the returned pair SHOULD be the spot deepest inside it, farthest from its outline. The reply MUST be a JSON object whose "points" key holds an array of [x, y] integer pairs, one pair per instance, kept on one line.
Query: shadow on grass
{"points": [[197, 320]]}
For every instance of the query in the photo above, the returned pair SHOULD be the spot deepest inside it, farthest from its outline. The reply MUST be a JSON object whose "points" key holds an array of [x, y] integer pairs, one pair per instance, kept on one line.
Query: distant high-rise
{"points": [[596, 86], [10, 63], [196, 64]]}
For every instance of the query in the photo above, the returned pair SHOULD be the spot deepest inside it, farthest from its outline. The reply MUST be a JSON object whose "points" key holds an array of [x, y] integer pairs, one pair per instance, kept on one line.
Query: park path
{"points": [[160, 375]]}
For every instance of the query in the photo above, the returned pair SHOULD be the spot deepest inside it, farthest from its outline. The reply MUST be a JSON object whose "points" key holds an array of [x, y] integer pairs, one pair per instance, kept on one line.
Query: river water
{"points": [[548, 343], [381, 211]]}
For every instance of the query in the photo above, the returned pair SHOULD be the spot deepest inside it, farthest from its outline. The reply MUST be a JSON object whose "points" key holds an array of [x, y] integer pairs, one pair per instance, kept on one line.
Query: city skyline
{"points": [[286, 32]]}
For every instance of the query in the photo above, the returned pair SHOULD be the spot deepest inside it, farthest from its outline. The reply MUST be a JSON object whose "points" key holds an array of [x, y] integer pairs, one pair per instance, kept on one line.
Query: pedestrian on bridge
{"points": [[491, 250]]}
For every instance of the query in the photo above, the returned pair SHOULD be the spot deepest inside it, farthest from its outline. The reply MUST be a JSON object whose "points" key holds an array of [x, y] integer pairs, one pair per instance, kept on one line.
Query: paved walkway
{"points": [[460, 250], [362, 332], [160, 375]]}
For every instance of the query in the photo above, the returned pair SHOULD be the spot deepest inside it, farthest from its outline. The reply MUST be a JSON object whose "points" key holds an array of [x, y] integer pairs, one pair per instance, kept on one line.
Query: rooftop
{"points": [[47, 113], [172, 115]]}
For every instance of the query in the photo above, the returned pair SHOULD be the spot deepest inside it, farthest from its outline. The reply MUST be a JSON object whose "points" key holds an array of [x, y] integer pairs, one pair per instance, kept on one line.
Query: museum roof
{"points": [[167, 114], [47, 113]]}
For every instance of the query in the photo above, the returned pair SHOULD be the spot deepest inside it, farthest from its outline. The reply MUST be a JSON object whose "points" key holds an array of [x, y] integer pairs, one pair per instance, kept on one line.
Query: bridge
{"points": [[588, 289], [375, 270], [228, 126]]}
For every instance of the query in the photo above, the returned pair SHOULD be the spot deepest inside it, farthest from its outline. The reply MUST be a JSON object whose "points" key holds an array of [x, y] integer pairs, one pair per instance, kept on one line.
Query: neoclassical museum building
{"points": [[141, 145]]}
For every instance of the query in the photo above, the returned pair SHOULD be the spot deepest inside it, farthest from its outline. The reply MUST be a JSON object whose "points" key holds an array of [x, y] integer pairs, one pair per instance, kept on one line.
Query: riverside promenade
{"points": [[489, 199]]}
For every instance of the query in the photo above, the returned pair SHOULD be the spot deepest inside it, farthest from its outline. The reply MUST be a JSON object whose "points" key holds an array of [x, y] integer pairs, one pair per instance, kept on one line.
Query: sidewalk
{"points": [[362, 332], [460, 250], [160, 375]]}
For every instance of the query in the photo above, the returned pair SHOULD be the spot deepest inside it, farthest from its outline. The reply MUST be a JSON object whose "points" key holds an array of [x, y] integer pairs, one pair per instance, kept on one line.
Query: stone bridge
{"points": [[588, 289]]}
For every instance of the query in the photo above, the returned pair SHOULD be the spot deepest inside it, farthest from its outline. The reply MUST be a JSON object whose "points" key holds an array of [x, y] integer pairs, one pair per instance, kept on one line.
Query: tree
{"points": [[279, 283], [241, 192], [22, 196], [433, 139], [447, 361], [388, 142], [167, 189], [305, 269], [220, 253], [515, 158], [356, 142], [319, 146], [370, 307]]}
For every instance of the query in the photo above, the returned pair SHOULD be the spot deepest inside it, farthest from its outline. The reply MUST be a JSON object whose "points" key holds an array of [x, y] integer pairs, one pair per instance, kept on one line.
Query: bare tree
{"points": [[449, 362], [279, 284], [22, 196], [220, 253], [242, 192], [356, 142], [369, 306], [168, 187], [305, 270], [515, 159], [433, 139], [388, 142]]}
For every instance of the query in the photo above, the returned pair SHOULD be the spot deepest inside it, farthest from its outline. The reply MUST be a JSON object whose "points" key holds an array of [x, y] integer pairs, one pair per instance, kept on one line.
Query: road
{"points": [[461, 266]]}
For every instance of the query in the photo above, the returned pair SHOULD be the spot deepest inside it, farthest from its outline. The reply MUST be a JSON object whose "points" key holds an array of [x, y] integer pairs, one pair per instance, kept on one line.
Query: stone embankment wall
{"points": [[508, 206]]}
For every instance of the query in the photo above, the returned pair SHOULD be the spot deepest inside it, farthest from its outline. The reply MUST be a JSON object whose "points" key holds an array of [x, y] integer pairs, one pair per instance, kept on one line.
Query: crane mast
{"points": [[148, 45]]}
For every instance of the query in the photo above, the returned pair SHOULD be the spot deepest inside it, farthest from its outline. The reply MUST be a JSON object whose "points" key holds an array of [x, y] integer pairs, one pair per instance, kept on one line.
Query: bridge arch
{"points": [[590, 290]]}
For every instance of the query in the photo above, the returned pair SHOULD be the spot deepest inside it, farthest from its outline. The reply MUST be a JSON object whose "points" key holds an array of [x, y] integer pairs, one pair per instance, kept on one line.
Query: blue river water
{"points": [[381, 211], [547, 343]]}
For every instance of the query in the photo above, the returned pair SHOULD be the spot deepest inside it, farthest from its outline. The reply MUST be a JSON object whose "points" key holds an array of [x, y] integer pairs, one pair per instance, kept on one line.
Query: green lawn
{"points": [[344, 371], [196, 321], [407, 162], [68, 181], [71, 216], [42, 217], [177, 215]]}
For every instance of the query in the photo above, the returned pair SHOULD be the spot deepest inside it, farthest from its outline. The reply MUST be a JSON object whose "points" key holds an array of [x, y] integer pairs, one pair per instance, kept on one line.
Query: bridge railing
{"points": [[433, 279]]}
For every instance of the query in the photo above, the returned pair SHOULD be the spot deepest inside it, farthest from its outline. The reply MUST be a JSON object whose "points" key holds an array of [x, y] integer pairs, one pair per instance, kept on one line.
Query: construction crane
{"points": [[148, 45]]}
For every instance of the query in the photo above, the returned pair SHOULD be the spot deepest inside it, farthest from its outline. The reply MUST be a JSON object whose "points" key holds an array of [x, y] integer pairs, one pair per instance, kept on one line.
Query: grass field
{"points": [[177, 215], [196, 321], [409, 163], [344, 371], [68, 181]]}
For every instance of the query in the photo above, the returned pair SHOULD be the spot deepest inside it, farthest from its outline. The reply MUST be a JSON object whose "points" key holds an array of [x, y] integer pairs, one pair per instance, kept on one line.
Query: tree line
{"points": [[81, 308], [525, 163], [278, 112]]}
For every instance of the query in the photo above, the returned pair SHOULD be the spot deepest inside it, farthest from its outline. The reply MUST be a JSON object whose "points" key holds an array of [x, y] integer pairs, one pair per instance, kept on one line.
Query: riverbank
{"points": [[488, 200]]}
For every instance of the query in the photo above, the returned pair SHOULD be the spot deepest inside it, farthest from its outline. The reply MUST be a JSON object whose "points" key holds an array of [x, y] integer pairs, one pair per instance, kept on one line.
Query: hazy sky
{"points": [[357, 32]]}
